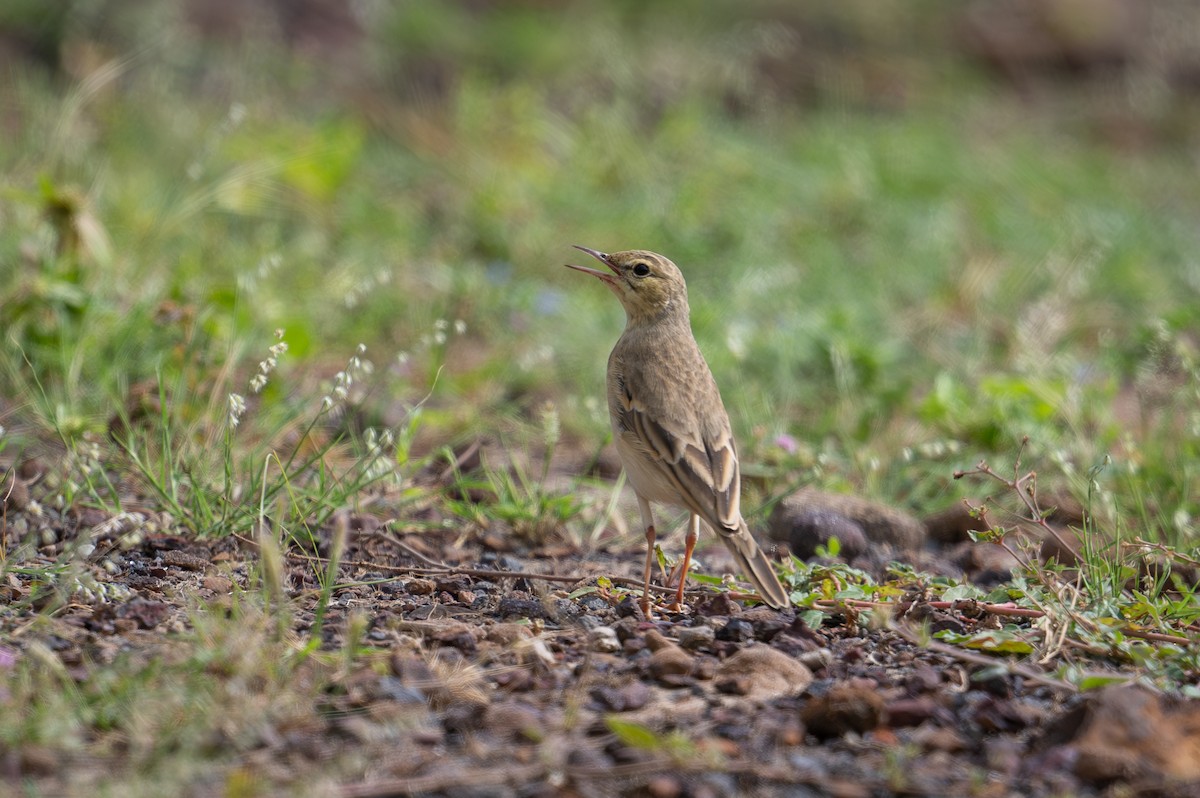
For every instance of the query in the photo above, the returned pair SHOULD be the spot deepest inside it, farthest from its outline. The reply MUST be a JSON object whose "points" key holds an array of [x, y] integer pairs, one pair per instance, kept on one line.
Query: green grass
{"points": [[903, 289], [901, 292]]}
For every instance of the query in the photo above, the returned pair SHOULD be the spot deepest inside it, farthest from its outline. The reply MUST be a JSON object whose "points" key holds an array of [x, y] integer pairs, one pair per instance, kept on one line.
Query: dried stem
{"points": [[1025, 486]]}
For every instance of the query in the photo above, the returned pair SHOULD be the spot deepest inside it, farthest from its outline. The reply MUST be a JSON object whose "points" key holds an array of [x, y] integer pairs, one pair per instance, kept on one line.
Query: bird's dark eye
{"points": [[641, 269]]}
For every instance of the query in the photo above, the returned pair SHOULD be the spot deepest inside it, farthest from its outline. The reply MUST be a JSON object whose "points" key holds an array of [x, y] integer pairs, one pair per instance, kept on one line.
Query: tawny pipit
{"points": [[670, 426]]}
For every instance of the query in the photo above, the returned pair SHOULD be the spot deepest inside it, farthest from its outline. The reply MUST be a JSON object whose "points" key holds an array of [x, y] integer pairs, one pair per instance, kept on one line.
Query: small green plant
{"points": [[227, 488], [512, 497], [674, 744], [1111, 597]]}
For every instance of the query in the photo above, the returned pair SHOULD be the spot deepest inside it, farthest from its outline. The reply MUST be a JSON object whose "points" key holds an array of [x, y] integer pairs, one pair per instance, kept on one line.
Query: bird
{"points": [[670, 426]]}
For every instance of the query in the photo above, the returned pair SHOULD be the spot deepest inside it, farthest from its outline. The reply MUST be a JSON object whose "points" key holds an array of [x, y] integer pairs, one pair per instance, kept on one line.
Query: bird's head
{"points": [[649, 286]]}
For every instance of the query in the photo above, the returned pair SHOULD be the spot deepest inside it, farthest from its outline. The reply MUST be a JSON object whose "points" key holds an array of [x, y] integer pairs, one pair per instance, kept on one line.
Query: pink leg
{"points": [[693, 535], [646, 572], [648, 523]]}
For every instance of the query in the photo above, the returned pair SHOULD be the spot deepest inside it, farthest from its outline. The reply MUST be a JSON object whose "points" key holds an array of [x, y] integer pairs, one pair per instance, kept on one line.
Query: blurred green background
{"points": [[914, 232]]}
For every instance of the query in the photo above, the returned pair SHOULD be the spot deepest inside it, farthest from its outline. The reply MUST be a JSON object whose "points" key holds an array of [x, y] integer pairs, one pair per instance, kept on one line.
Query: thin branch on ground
{"points": [[1025, 486]]}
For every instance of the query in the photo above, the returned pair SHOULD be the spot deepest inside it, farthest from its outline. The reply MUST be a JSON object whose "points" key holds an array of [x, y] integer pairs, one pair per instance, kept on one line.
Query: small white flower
{"points": [[265, 367], [1182, 520], [237, 406]]}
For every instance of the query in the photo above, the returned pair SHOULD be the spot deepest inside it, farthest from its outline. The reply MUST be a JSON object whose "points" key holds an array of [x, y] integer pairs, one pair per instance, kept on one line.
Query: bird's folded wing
{"points": [[703, 470]]}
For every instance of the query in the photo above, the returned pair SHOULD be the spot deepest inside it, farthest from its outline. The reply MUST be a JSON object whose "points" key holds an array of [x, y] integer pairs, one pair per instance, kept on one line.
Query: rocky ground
{"points": [[478, 672]]}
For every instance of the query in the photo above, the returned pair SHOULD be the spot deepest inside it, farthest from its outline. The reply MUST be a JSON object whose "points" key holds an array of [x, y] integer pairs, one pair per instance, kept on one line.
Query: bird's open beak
{"points": [[600, 256]]}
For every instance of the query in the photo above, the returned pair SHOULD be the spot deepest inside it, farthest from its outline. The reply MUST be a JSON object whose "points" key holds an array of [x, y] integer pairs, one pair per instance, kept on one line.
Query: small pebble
{"points": [[420, 587], [736, 631], [844, 708], [604, 638], [694, 637]]}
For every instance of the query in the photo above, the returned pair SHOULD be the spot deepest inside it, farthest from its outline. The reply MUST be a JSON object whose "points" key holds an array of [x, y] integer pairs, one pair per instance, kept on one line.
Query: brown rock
{"points": [[30, 760], [953, 525], [938, 738], [664, 787], [420, 586], [670, 662], [626, 698], [766, 622], [923, 679], [1128, 732], [456, 635], [718, 605], [762, 673], [910, 711], [412, 670], [124, 626], [845, 708], [143, 613], [655, 640], [515, 720], [185, 560], [217, 584], [696, 637], [31, 469], [14, 492], [705, 667], [1003, 755], [811, 528], [984, 560], [810, 517], [508, 634]]}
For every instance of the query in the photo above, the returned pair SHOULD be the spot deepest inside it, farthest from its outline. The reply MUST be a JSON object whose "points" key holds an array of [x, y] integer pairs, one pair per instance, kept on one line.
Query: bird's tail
{"points": [[755, 565]]}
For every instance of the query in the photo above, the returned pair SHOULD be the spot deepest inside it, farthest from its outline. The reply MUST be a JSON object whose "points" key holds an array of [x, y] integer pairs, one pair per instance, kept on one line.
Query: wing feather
{"points": [[705, 473]]}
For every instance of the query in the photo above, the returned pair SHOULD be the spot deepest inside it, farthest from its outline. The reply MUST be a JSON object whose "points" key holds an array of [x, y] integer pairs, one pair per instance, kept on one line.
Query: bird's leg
{"points": [[648, 523], [693, 534]]}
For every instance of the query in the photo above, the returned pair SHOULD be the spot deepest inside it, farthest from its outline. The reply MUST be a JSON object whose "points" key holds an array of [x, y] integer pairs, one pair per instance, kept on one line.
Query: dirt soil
{"points": [[480, 682]]}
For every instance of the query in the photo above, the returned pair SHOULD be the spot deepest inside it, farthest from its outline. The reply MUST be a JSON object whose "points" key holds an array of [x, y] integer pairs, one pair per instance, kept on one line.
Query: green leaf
{"points": [[993, 535], [1096, 681], [963, 591], [635, 735], [996, 641], [853, 592], [813, 618]]}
